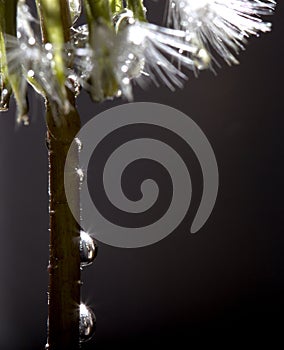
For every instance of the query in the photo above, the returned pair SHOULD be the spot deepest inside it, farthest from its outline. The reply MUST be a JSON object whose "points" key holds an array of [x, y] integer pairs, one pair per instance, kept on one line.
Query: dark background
{"points": [[228, 280]]}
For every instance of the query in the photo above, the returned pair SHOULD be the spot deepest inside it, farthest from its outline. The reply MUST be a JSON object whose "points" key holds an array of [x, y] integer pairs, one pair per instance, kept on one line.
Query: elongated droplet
{"points": [[24, 120], [4, 100], [202, 60], [79, 144], [87, 323], [88, 249], [81, 174]]}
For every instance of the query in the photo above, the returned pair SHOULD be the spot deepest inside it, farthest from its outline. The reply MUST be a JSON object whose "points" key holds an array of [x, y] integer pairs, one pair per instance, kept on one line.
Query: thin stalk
{"points": [[100, 24], [64, 261], [138, 9], [98, 10], [11, 79], [116, 6], [5, 87], [62, 125]]}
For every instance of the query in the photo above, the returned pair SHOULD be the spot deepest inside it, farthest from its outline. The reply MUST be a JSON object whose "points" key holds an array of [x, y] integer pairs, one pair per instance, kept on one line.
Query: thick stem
{"points": [[64, 264], [63, 125]]}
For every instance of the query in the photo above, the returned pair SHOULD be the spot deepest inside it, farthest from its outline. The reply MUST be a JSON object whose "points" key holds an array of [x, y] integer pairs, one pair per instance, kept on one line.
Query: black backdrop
{"points": [[226, 280]]}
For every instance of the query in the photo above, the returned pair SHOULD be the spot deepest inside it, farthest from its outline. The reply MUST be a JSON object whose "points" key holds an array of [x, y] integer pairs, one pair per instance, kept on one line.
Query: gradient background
{"points": [[228, 280]]}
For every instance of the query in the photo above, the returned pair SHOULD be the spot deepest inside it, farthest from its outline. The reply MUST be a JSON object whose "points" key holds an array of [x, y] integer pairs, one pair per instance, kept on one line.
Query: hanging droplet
{"points": [[4, 100], [73, 84], [80, 174], [88, 249], [201, 56], [133, 66], [75, 9], [79, 36], [202, 59], [87, 323], [24, 120], [79, 144]]}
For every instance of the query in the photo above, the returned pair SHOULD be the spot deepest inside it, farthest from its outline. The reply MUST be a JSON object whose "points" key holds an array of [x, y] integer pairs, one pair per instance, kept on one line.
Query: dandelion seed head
{"points": [[145, 50], [220, 24]]}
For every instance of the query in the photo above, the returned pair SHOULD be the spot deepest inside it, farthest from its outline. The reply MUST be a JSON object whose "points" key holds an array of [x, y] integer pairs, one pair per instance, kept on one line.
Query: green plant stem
{"points": [[11, 79], [98, 10], [103, 79], [138, 9], [116, 6], [64, 261], [5, 87]]}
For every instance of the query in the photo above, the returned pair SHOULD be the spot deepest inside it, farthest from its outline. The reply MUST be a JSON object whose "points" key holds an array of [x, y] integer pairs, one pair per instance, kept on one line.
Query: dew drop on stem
{"points": [[88, 249], [87, 323]]}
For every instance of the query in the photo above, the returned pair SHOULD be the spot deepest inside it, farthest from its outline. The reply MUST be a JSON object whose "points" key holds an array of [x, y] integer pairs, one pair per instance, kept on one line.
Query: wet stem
{"points": [[64, 254], [64, 263]]}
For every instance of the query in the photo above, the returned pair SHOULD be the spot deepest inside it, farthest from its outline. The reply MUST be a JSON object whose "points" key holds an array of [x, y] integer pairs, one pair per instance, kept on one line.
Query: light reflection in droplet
{"points": [[88, 249], [87, 323], [80, 174], [79, 144]]}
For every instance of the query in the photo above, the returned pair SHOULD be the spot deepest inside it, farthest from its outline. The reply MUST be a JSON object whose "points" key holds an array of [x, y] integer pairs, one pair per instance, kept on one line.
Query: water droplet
{"points": [[49, 56], [73, 84], [31, 41], [79, 144], [126, 81], [48, 46], [135, 66], [79, 36], [202, 59], [81, 174], [4, 100], [119, 93], [87, 323], [88, 249], [23, 119], [31, 73]]}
